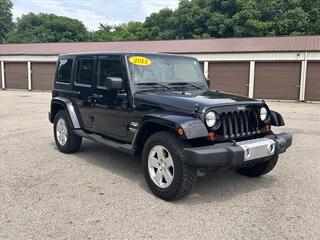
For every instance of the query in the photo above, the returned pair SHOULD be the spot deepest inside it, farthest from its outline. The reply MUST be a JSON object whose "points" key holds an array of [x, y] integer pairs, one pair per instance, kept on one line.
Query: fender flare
{"points": [[68, 106], [276, 119], [193, 127]]}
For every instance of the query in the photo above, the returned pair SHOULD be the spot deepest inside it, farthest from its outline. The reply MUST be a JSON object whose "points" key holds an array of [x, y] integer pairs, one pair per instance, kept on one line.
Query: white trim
{"points": [[29, 76], [251, 79], [206, 69], [3, 76], [313, 56], [303, 76], [26, 58], [285, 56], [271, 56]]}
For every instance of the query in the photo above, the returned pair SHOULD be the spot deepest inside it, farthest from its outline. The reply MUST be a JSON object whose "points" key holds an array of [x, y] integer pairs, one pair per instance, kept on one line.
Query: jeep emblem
{"points": [[241, 108]]}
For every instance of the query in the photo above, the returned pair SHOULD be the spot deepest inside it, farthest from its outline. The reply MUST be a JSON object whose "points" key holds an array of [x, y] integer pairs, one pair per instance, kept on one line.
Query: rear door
{"points": [[83, 89]]}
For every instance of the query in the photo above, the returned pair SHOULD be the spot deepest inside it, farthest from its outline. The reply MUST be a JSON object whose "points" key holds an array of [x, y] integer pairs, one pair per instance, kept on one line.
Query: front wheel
{"points": [[165, 170], [260, 168]]}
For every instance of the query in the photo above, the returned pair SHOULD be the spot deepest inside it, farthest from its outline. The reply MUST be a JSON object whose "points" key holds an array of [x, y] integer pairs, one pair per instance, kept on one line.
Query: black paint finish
{"points": [[117, 114]]}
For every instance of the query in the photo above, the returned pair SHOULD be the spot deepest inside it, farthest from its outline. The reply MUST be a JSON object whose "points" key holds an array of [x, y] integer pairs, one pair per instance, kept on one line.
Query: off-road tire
{"points": [[73, 142], [184, 175], [260, 168]]}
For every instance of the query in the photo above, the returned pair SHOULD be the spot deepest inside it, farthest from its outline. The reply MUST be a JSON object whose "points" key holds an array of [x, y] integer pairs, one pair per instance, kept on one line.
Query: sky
{"points": [[93, 12]]}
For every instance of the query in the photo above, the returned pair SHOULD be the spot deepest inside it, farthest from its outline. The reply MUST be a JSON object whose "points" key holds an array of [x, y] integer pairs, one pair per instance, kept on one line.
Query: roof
{"points": [[221, 45], [122, 54]]}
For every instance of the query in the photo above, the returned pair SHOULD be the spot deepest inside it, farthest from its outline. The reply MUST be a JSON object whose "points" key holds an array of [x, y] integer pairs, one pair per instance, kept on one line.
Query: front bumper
{"points": [[234, 154]]}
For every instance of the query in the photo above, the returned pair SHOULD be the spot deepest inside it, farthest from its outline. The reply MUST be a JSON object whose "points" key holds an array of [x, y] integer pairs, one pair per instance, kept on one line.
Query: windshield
{"points": [[159, 69]]}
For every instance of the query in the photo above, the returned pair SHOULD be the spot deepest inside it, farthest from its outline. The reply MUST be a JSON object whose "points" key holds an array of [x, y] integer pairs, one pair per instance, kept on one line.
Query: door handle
{"points": [[76, 92], [97, 96]]}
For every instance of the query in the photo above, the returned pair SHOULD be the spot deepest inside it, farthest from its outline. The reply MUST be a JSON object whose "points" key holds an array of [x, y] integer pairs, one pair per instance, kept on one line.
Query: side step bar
{"points": [[123, 147]]}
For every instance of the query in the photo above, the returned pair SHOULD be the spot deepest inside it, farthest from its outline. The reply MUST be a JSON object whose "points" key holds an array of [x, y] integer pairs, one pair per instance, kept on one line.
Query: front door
{"points": [[111, 105], [83, 89]]}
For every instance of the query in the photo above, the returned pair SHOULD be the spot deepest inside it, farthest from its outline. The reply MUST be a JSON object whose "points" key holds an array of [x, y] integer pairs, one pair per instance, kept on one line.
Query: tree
{"points": [[5, 18], [229, 18], [160, 25], [44, 27], [126, 31]]}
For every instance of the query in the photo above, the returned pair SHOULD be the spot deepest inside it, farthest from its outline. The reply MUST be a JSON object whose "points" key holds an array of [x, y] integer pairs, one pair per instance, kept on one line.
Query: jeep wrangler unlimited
{"points": [[160, 106]]}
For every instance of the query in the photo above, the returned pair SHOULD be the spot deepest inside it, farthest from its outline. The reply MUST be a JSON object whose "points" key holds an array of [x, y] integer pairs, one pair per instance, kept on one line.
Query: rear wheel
{"points": [[165, 170], [66, 140], [260, 168]]}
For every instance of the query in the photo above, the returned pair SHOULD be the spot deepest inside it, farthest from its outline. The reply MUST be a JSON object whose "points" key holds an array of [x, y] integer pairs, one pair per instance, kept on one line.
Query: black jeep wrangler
{"points": [[160, 106]]}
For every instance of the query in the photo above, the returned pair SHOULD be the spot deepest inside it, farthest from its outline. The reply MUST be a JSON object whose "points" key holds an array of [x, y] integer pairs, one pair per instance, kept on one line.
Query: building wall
{"points": [[287, 76]]}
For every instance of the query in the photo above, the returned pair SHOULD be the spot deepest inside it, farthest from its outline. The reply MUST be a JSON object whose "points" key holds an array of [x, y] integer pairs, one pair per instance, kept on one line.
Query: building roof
{"points": [[192, 46]]}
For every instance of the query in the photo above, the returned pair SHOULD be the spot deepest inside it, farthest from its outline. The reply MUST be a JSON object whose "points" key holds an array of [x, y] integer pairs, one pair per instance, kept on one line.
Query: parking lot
{"points": [[98, 193]]}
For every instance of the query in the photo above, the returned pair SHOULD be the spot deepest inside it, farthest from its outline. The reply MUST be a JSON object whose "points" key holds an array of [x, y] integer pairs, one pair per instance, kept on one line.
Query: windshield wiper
{"points": [[183, 84], [152, 84]]}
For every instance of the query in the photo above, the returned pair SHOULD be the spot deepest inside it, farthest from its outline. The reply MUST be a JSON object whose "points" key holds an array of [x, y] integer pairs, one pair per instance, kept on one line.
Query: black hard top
{"points": [[87, 54]]}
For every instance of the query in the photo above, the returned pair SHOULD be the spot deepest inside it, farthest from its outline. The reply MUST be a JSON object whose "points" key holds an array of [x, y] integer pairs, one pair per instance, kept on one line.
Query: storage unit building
{"points": [[266, 67]]}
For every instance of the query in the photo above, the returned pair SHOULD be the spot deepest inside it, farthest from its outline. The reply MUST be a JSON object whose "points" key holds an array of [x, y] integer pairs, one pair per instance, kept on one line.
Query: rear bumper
{"points": [[233, 154]]}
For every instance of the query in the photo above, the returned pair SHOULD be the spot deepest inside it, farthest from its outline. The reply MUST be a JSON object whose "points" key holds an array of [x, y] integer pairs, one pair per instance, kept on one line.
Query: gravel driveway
{"points": [[98, 193]]}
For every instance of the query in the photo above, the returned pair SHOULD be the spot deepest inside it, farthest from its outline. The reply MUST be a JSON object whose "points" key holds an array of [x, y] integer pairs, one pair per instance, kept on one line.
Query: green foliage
{"points": [[44, 27], [235, 18], [5, 18], [192, 19], [125, 31]]}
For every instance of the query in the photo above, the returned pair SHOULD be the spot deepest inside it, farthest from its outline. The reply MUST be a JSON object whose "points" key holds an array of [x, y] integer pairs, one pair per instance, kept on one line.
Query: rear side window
{"points": [[108, 68], [84, 71], [64, 70]]}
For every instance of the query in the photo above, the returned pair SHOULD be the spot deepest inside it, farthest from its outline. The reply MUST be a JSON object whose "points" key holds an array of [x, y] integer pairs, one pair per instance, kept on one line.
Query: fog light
{"points": [[271, 148], [247, 153]]}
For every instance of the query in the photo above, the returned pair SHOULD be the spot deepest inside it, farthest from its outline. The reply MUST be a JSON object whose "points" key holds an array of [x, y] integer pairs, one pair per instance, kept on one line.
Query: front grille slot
{"points": [[239, 124]]}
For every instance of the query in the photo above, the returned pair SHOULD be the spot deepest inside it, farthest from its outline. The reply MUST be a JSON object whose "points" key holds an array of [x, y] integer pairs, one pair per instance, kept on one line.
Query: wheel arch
{"points": [[61, 103], [276, 119], [152, 123]]}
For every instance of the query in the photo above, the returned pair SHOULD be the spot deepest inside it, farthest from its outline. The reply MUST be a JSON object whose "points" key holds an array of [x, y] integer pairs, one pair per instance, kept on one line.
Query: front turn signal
{"points": [[212, 136], [267, 128], [180, 131]]}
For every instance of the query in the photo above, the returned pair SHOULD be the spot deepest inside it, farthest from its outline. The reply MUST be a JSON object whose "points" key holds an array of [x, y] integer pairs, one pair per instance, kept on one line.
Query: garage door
{"points": [[277, 80], [230, 77], [43, 75], [16, 75], [313, 81]]}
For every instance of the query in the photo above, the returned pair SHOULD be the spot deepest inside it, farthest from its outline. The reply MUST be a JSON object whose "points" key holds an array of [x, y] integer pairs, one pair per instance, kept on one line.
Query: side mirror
{"points": [[114, 83], [208, 82]]}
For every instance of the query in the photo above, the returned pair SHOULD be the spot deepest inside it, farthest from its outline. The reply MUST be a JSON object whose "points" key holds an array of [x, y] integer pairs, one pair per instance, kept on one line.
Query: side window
{"points": [[64, 70], [108, 68], [84, 71]]}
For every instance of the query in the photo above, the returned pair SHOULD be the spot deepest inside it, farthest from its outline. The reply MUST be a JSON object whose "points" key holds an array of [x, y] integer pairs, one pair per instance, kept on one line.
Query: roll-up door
{"points": [[231, 77], [43, 75], [313, 82], [277, 80], [16, 75]]}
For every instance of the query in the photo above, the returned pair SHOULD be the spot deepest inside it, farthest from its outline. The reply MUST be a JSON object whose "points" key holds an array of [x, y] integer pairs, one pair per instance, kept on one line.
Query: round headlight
{"points": [[263, 114], [211, 119]]}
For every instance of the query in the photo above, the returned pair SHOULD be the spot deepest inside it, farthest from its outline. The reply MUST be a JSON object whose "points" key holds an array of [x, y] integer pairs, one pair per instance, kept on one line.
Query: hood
{"points": [[186, 101]]}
